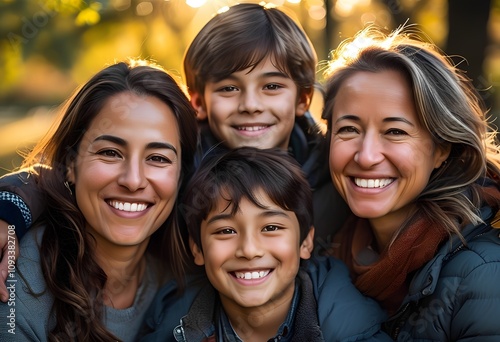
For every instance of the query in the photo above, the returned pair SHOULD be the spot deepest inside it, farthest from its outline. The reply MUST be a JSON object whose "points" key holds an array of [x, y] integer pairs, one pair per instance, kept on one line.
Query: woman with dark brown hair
{"points": [[109, 235]]}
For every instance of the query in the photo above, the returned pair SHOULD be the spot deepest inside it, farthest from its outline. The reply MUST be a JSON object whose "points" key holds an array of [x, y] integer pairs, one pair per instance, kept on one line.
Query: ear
{"points": [[197, 253], [70, 173], [198, 105], [441, 154], [304, 102], [307, 246]]}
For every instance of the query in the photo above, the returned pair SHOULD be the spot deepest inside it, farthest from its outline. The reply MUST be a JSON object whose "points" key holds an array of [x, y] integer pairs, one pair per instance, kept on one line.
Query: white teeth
{"points": [[126, 206], [252, 129], [373, 183], [251, 275]]}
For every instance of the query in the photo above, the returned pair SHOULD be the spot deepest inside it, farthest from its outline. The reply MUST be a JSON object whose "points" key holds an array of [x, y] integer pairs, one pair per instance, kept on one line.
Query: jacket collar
{"points": [[301, 323], [425, 280], [285, 331]]}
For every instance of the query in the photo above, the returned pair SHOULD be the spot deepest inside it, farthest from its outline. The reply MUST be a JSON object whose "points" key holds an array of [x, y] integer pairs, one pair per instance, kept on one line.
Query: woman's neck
{"points": [[384, 228], [124, 268]]}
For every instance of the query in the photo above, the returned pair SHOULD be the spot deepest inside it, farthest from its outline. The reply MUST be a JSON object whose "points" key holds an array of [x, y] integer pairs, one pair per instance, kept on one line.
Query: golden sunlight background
{"points": [[49, 47]]}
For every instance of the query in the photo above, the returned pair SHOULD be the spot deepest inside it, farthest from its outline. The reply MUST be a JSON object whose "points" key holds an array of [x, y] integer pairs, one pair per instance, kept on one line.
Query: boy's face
{"points": [[252, 107], [252, 257]]}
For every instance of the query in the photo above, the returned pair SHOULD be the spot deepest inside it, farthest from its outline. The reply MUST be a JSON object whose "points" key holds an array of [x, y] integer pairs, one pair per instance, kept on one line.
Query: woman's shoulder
{"points": [[480, 251], [463, 289], [28, 264], [31, 301], [487, 245]]}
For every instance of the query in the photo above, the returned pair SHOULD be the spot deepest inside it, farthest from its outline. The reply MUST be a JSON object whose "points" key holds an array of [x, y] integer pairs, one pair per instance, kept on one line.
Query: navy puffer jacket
{"points": [[456, 296]]}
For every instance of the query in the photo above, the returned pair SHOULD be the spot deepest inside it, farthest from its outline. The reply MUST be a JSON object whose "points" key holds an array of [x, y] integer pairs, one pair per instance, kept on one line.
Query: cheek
{"points": [[286, 249], [215, 254], [423, 153], [341, 153], [93, 177], [166, 182], [89, 183], [415, 159], [290, 257], [219, 108]]}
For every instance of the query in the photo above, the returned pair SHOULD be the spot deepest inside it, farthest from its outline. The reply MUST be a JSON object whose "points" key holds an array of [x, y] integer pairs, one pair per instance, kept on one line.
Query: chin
{"points": [[367, 213]]}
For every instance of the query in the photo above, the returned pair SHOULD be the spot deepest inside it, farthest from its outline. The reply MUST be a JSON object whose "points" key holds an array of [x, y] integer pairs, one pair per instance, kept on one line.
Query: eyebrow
{"points": [[266, 213], [389, 119], [265, 75], [276, 74], [122, 142]]}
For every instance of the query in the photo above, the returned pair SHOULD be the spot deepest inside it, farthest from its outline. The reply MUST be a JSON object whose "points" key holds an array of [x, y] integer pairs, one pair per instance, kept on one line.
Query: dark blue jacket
{"points": [[343, 314], [456, 295], [206, 317]]}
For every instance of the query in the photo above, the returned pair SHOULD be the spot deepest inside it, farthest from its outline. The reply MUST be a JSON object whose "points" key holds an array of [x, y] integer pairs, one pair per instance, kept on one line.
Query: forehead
{"points": [[387, 81], [256, 65], [383, 92], [230, 202], [136, 117]]}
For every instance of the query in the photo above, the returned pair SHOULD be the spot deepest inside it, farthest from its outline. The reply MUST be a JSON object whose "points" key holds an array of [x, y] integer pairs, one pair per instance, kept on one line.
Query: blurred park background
{"points": [[49, 47]]}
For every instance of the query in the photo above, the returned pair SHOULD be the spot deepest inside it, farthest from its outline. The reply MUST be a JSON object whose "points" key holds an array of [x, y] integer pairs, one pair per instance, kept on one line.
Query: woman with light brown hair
{"points": [[413, 155]]}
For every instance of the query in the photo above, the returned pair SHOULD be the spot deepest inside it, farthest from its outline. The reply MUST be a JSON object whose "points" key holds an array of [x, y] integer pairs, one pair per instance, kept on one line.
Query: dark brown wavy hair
{"points": [[67, 253]]}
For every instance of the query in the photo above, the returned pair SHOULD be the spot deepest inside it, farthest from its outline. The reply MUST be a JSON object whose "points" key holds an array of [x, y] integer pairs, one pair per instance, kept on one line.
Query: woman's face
{"points": [[127, 171], [381, 156]]}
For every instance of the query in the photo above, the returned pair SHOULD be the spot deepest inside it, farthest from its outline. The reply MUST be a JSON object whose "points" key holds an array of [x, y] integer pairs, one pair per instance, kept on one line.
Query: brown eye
{"points": [[347, 129], [272, 86], [396, 131], [270, 228], [109, 153], [160, 159], [226, 231]]}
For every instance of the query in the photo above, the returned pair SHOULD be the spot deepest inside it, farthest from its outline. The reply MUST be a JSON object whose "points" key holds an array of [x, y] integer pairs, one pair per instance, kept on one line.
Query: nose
{"points": [[249, 247], [250, 102], [132, 175], [370, 151]]}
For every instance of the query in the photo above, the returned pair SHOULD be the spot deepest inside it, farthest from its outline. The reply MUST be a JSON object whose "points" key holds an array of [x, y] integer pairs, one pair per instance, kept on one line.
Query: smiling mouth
{"points": [[127, 206], [251, 128], [251, 275], [373, 183]]}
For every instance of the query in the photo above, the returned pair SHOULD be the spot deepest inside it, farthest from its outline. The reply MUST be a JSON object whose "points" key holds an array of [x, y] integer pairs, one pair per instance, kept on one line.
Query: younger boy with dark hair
{"points": [[249, 216]]}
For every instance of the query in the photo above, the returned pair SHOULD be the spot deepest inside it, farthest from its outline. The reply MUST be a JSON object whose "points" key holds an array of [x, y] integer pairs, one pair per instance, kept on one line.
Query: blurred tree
{"points": [[468, 37]]}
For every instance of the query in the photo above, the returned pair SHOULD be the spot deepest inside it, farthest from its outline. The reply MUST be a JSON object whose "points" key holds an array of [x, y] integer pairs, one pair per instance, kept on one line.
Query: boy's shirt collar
{"points": [[285, 331]]}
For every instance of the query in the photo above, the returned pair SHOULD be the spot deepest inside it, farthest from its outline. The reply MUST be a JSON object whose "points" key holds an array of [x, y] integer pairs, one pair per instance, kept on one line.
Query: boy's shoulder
{"points": [[169, 307], [343, 312]]}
